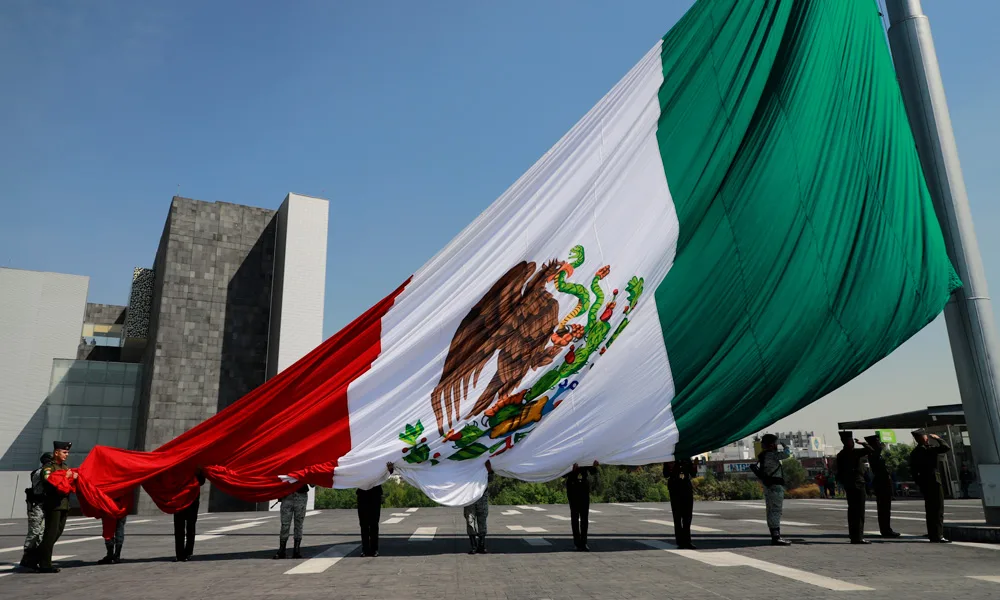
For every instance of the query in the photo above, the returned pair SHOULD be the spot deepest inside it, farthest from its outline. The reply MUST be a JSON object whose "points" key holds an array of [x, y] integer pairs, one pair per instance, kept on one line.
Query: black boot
{"points": [[30, 559], [118, 553], [777, 540], [481, 548], [107, 560], [296, 551], [474, 544], [282, 553]]}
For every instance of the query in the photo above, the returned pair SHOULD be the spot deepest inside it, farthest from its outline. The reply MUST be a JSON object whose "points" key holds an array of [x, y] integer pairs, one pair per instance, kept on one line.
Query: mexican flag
{"points": [[736, 229]]}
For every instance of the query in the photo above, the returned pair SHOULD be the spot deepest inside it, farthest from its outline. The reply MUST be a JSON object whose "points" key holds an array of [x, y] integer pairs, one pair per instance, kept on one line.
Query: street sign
{"points": [[886, 436]]}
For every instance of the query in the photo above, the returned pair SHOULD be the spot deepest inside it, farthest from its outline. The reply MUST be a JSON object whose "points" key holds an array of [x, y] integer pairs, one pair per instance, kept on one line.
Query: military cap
{"points": [[769, 438], [873, 440], [62, 445], [917, 434], [846, 436]]}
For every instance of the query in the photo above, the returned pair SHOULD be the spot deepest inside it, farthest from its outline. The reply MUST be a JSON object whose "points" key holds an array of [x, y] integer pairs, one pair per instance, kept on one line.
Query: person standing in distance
{"points": [[578, 494], [768, 469], [35, 496], [679, 474], [185, 525], [851, 471], [293, 508], [924, 468], [369, 513], [883, 486], [56, 506]]}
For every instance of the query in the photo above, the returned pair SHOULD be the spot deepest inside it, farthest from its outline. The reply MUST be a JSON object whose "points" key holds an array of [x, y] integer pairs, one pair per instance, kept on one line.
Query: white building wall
{"points": [[299, 284], [41, 317]]}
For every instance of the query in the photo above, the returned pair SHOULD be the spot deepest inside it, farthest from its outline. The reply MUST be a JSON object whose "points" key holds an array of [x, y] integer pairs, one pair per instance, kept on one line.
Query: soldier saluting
{"points": [[55, 505], [924, 467], [851, 473], [883, 486], [768, 470]]}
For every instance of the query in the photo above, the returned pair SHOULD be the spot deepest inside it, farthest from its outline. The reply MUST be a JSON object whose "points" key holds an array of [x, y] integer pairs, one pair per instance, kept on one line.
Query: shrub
{"points": [[794, 473], [806, 491], [327, 498]]}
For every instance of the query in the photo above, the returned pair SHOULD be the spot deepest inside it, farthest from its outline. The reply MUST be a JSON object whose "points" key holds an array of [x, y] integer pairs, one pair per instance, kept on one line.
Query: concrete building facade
{"points": [[235, 295]]}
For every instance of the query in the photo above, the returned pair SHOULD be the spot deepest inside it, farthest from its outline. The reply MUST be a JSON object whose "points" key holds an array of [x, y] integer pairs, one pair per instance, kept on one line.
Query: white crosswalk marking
{"points": [[423, 534], [312, 513], [698, 528], [730, 559], [894, 513], [704, 514], [400, 514], [392, 521], [990, 578], [412, 510], [70, 541], [74, 519], [10, 566], [594, 510], [6, 524], [217, 533], [256, 518], [558, 517], [323, 561], [510, 512], [783, 523], [527, 529], [536, 541], [534, 508]]}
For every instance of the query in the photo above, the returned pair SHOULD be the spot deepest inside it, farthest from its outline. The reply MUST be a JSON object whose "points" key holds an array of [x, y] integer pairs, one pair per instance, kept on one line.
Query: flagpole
{"points": [[969, 314]]}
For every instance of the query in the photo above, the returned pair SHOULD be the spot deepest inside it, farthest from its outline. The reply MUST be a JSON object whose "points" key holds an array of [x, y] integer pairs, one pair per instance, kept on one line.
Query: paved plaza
{"points": [[531, 557]]}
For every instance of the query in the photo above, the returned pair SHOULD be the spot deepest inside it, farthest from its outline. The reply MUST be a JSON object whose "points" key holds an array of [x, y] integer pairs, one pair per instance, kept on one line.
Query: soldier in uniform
{"points": [[768, 468], [55, 505], [35, 495], [883, 486], [185, 525], [924, 467], [578, 493], [475, 518], [369, 513], [851, 472], [293, 507], [679, 474]]}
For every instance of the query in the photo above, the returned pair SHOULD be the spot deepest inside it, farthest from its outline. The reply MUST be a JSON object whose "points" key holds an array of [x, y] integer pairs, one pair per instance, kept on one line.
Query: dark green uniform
{"points": [[56, 508], [851, 473], [882, 482], [578, 494], [924, 467], [679, 475]]}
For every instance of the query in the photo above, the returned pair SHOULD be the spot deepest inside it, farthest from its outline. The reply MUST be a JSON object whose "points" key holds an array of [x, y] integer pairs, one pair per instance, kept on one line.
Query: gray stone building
{"points": [[235, 294]]}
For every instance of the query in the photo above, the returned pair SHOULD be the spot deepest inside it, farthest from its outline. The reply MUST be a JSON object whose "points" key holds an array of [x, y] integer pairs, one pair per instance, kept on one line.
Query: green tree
{"points": [[897, 460], [795, 474]]}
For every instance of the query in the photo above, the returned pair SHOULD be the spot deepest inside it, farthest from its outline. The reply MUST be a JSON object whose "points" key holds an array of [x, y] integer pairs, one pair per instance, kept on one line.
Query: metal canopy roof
{"points": [[948, 414]]}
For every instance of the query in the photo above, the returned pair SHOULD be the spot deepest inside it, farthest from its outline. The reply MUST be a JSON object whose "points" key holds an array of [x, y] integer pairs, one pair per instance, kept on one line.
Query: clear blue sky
{"points": [[411, 117]]}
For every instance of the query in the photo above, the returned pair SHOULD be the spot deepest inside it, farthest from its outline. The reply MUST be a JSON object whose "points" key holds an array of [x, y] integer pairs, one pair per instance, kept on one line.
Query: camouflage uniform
{"points": [[36, 515], [475, 522], [293, 506], [34, 496], [774, 495]]}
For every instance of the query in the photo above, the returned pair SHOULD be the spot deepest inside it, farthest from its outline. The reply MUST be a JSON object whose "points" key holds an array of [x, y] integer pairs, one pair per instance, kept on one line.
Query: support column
{"points": [[969, 314]]}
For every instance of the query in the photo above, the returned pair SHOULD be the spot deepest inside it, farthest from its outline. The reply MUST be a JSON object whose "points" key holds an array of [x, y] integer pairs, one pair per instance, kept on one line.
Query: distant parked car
{"points": [[907, 489]]}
